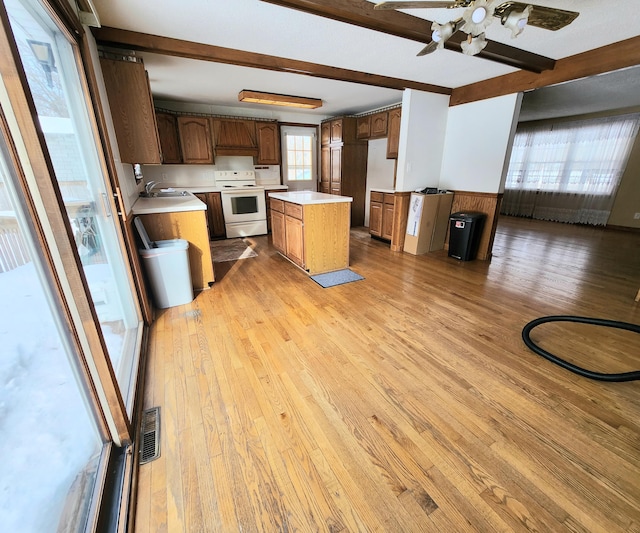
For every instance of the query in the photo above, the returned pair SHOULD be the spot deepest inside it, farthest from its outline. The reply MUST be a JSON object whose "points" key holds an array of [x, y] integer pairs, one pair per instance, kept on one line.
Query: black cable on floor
{"points": [[623, 376]]}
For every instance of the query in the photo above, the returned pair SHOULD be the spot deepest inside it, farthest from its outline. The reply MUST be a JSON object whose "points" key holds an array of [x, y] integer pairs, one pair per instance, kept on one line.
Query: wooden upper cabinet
{"points": [[268, 143], [134, 118], [363, 127], [325, 133], [393, 137], [195, 139], [169, 140], [379, 125], [235, 137], [343, 129]]}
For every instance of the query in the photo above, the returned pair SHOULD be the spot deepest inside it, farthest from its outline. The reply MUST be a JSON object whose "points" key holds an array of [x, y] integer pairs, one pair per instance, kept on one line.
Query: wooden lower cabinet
{"points": [[294, 240], [278, 230], [191, 226], [381, 212], [314, 236], [215, 217]]}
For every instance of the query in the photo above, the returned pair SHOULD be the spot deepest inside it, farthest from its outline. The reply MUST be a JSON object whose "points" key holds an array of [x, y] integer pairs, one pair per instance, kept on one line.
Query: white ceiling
{"points": [[255, 26]]}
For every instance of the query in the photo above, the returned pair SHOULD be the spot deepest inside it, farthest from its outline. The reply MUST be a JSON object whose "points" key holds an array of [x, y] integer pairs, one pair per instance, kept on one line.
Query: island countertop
{"points": [[309, 197]]}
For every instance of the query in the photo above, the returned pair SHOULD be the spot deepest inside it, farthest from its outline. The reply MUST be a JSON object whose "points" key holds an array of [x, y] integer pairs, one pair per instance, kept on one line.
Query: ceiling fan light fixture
{"points": [[473, 45], [257, 97], [441, 32], [478, 16], [516, 21]]}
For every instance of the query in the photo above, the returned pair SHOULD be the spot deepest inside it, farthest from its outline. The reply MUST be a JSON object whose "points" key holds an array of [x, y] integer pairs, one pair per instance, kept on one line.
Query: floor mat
{"points": [[339, 277], [230, 250]]}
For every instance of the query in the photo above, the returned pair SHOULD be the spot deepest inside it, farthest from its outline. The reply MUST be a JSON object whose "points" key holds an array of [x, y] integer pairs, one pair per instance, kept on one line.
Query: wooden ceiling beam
{"points": [[361, 13], [615, 56], [156, 44]]}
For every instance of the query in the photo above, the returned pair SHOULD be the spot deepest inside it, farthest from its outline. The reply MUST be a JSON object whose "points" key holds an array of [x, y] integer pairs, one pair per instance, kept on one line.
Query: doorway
{"points": [[299, 157]]}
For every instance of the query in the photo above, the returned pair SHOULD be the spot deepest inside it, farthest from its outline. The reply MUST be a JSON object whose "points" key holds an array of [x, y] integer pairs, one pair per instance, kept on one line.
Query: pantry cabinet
{"points": [[134, 118], [195, 140], [343, 164]]}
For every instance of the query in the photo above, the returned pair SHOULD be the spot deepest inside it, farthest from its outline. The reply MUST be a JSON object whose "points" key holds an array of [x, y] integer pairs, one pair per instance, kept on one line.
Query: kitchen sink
{"points": [[164, 194]]}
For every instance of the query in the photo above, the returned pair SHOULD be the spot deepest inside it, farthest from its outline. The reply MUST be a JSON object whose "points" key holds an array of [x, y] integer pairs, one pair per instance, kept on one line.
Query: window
{"points": [[299, 157], [569, 171], [586, 156]]}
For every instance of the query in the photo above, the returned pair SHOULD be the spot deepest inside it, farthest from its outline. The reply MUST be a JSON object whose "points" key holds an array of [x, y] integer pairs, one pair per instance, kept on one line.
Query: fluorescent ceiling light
{"points": [[257, 97]]}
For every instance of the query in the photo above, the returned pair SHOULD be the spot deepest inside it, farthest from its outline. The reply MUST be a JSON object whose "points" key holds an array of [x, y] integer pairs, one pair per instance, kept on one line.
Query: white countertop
{"points": [[214, 188], [150, 206], [309, 197], [388, 191]]}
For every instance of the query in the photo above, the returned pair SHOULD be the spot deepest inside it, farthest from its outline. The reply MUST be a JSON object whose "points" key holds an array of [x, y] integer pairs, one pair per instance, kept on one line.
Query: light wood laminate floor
{"points": [[404, 402]]}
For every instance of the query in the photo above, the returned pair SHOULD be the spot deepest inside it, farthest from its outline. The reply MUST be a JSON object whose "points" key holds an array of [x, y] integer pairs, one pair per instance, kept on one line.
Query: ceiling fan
{"points": [[478, 14]]}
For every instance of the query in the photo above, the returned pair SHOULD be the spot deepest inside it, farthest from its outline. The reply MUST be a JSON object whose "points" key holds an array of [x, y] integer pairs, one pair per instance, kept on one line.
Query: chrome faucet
{"points": [[148, 186]]}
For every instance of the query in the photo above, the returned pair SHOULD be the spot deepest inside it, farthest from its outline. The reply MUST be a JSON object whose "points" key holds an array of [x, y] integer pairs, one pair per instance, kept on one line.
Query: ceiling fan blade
{"points": [[392, 4], [431, 47], [548, 18]]}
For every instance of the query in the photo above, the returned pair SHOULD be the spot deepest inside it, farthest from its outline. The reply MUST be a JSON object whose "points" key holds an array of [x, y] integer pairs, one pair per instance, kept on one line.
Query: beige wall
{"points": [[628, 198]]}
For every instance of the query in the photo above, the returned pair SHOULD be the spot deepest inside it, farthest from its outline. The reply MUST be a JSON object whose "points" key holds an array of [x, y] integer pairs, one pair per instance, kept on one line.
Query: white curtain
{"points": [[570, 171]]}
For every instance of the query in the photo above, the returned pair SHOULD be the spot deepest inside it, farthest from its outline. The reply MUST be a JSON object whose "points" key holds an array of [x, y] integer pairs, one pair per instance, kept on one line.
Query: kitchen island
{"points": [[180, 217], [311, 229]]}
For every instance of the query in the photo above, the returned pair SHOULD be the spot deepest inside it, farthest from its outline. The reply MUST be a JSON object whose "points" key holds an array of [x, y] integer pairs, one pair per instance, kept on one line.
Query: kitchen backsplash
{"points": [[203, 175]]}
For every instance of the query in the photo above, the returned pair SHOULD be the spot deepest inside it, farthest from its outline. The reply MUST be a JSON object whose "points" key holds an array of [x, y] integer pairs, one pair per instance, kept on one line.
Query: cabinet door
{"points": [[336, 169], [216, 217], [195, 139], [379, 125], [375, 219], [336, 131], [393, 137], [169, 141], [387, 221], [294, 240], [363, 127], [278, 231], [325, 168], [268, 143], [134, 119], [325, 133]]}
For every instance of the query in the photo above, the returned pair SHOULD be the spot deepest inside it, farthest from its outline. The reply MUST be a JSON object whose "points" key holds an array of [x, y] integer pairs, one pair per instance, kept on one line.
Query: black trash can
{"points": [[465, 229]]}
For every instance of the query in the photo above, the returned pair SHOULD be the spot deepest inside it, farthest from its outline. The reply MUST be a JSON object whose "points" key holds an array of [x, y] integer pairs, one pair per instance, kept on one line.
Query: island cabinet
{"points": [[215, 217], [311, 230], [195, 140], [134, 118]]}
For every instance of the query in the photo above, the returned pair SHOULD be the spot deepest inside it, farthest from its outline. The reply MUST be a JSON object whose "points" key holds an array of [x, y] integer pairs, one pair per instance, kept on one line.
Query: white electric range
{"points": [[243, 203]]}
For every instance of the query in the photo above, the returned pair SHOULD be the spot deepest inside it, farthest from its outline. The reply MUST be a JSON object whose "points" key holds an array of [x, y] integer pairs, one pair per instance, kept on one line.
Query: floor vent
{"points": [[150, 435]]}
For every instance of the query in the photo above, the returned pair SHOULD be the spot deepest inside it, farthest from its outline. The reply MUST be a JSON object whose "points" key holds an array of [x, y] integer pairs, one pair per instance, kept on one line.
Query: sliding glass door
{"points": [[70, 326], [51, 67], [51, 444]]}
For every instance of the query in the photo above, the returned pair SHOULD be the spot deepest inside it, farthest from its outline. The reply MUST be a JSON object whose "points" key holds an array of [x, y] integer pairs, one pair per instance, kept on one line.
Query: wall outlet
{"points": [[636, 216], [164, 176]]}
